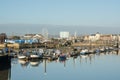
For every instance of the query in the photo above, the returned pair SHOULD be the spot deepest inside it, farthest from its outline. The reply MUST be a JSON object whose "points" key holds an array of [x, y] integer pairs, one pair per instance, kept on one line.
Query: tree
{"points": [[16, 37]]}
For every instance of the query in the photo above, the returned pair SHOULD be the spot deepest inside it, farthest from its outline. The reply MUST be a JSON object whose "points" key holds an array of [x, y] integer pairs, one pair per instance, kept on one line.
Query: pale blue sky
{"points": [[67, 13], [61, 12]]}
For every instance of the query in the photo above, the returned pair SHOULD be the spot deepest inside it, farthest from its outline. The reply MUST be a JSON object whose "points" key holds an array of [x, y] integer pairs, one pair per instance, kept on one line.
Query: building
{"points": [[64, 35], [92, 37], [3, 36], [95, 37], [114, 37], [86, 38], [106, 37], [35, 38], [28, 36]]}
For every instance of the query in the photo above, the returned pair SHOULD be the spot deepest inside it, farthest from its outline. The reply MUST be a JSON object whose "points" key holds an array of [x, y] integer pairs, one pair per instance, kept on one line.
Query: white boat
{"points": [[57, 51], [41, 51], [22, 56], [91, 51], [36, 54], [84, 51], [102, 49]]}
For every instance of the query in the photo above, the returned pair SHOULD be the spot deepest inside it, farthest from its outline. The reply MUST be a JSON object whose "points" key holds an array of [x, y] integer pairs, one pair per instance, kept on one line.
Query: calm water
{"points": [[104, 66]]}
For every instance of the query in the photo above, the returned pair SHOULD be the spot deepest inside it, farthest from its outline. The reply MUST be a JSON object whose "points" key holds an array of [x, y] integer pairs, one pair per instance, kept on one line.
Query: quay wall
{"points": [[2, 46], [90, 44], [52, 45], [18, 46], [15, 46]]}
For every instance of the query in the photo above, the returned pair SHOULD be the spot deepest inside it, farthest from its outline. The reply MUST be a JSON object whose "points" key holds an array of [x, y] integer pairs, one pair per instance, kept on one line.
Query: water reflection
{"points": [[5, 70], [35, 62], [75, 67], [24, 63], [83, 59]]}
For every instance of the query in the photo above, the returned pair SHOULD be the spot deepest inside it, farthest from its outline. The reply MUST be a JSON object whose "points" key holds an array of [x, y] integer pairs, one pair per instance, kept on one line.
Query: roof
{"points": [[92, 34]]}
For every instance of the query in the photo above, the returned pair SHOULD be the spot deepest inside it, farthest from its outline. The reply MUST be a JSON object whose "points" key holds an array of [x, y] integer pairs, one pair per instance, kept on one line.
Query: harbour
{"points": [[59, 40], [60, 58], [74, 64], [87, 67]]}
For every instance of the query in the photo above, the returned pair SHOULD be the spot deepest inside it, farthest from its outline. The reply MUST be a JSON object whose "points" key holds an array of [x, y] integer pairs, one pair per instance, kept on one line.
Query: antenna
{"points": [[45, 33]]}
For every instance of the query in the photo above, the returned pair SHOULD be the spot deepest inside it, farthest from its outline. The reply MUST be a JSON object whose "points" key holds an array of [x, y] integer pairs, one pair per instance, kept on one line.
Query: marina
{"points": [[71, 64], [87, 59], [59, 39], [87, 67]]}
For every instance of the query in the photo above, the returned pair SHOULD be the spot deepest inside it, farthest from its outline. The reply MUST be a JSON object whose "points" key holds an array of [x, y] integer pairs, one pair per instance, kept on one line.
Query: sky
{"points": [[73, 14]]}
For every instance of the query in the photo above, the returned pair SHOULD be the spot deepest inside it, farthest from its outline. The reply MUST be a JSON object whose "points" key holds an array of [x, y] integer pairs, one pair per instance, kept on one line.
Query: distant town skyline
{"points": [[21, 29]]}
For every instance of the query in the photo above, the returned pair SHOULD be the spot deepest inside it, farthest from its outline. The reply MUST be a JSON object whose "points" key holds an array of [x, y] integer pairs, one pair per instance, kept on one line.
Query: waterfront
{"points": [[103, 66]]}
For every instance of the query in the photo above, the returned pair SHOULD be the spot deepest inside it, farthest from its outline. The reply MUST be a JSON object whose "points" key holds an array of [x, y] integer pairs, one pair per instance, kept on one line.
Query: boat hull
{"points": [[4, 58], [22, 57]]}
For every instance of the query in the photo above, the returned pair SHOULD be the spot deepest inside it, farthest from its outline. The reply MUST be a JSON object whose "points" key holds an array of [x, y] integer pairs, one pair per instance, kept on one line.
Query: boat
{"points": [[91, 51], [97, 50], [23, 54], [4, 57], [62, 57], [36, 54], [33, 56], [5, 66], [41, 51], [84, 51], [102, 49], [72, 54], [20, 56], [57, 52]]}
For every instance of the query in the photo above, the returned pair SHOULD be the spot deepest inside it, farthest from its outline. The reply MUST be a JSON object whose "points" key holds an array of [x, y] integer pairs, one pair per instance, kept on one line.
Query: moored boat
{"points": [[36, 54], [62, 57], [22, 56], [84, 51]]}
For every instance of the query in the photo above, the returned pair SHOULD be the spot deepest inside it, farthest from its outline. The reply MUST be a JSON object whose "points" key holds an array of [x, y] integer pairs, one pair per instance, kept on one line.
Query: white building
{"points": [[97, 36], [94, 37], [65, 35]]}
